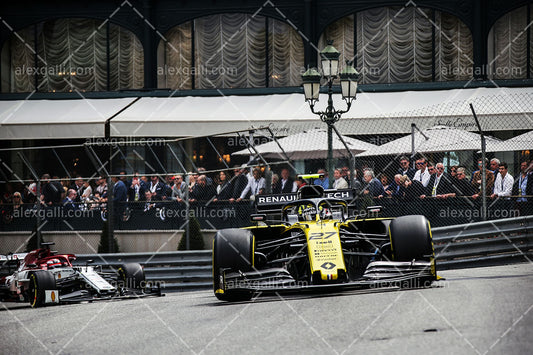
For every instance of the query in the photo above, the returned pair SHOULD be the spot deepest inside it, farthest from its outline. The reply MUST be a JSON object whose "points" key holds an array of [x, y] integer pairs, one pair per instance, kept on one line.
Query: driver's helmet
{"points": [[52, 263], [307, 213], [325, 213]]}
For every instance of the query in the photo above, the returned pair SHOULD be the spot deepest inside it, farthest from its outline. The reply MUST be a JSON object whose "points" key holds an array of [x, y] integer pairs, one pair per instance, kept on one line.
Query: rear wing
{"points": [[273, 203], [10, 262]]}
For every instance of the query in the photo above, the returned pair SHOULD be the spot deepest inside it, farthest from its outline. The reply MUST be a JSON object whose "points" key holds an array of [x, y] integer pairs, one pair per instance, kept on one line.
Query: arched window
{"points": [[404, 44], [230, 51], [72, 55], [508, 46]]}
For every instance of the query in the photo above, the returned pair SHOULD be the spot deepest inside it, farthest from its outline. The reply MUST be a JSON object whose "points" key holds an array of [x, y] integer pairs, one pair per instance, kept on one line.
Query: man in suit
{"points": [[523, 186], [405, 169], [157, 188], [393, 190], [440, 184], [69, 203], [461, 185], [239, 181], [285, 184]]}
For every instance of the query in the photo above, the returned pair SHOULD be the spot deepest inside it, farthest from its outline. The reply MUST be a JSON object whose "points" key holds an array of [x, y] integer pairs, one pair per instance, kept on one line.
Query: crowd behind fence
{"points": [[226, 198]]}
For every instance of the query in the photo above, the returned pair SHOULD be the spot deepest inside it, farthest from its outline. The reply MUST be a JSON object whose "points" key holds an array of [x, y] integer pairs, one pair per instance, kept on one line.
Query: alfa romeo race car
{"points": [[315, 246], [43, 277]]}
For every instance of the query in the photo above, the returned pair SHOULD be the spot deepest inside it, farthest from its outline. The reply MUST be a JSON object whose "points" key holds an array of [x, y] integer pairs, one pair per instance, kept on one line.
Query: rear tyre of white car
{"points": [[40, 281]]}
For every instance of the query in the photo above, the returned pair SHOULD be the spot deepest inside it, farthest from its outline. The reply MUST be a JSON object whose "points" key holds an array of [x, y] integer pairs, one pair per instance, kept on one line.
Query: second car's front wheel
{"points": [[40, 281]]}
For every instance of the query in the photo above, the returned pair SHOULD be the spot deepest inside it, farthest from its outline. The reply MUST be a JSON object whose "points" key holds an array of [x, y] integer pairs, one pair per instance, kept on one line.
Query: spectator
{"points": [[523, 184], [345, 172], [373, 186], [120, 193], [101, 188], [323, 181], [256, 186], [179, 189], [453, 171], [87, 191], [136, 190], [476, 180], [192, 180], [18, 205], [123, 177], [299, 183], [495, 167], [503, 185], [286, 184], [202, 191], [224, 187], [340, 182], [384, 181], [69, 203], [431, 168], [440, 184], [239, 181], [78, 186], [157, 188], [52, 191], [422, 174], [411, 189], [393, 190], [202, 171], [461, 184], [405, 169], [275, 180]]}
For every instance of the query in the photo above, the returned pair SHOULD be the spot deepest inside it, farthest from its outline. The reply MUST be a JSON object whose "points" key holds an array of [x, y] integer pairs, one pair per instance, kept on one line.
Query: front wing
{"points": [[379, 274]]}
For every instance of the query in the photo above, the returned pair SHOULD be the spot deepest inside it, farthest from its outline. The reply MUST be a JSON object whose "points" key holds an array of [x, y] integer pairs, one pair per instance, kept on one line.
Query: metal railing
{"points": [[468, 245]]}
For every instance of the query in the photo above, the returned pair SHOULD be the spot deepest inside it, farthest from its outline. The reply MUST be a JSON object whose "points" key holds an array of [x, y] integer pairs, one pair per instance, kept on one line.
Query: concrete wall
{"points": [[86, 242]]}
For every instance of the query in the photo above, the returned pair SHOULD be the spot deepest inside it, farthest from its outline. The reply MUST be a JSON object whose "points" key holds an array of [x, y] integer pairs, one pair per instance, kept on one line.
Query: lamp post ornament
{"points": [[329, 57]]}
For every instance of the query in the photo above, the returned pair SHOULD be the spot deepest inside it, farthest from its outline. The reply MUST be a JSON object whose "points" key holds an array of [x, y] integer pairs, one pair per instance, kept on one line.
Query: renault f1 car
{"points": [[315, 246], [43, 277]]}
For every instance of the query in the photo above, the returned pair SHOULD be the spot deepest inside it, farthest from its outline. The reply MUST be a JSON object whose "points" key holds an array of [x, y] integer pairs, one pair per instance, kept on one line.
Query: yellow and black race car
{"points": [[316, 246]]}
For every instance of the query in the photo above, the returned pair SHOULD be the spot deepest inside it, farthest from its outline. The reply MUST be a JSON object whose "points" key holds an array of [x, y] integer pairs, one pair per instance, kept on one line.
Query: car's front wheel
{"points": [[411, 238], [40, 281], [232, 251]]}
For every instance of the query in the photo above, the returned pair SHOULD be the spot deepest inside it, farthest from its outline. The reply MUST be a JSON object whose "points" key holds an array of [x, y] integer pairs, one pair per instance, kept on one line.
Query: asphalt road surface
{"points": [[474, 311]]}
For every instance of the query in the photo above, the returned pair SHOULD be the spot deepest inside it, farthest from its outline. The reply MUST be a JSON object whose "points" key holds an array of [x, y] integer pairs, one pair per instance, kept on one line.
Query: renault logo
{"points": [[328, 266]]}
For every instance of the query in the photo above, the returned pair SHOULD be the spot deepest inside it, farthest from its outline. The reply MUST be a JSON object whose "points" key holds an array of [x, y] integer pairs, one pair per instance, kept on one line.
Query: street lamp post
{"points": [[311, 82]]}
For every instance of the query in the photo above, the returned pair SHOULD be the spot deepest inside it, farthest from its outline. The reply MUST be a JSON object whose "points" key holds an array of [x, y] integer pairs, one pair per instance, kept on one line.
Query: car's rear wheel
{"points": [[132, 274], [411, 238], [40, 281], [233, 250]]}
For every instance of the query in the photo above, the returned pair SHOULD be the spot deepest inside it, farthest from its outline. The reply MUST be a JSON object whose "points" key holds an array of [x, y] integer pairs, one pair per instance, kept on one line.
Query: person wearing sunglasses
{"points": [[405, 168], [422, 174]]}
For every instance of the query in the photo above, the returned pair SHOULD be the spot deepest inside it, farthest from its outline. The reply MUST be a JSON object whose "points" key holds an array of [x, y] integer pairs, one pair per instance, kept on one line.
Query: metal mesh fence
{"points": [[424, 160]]}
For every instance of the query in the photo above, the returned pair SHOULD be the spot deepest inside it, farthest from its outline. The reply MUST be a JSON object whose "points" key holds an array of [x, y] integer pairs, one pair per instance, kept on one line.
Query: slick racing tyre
{"points": [[233, 251], [132, 275], [40, 281], [411, 238]]}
